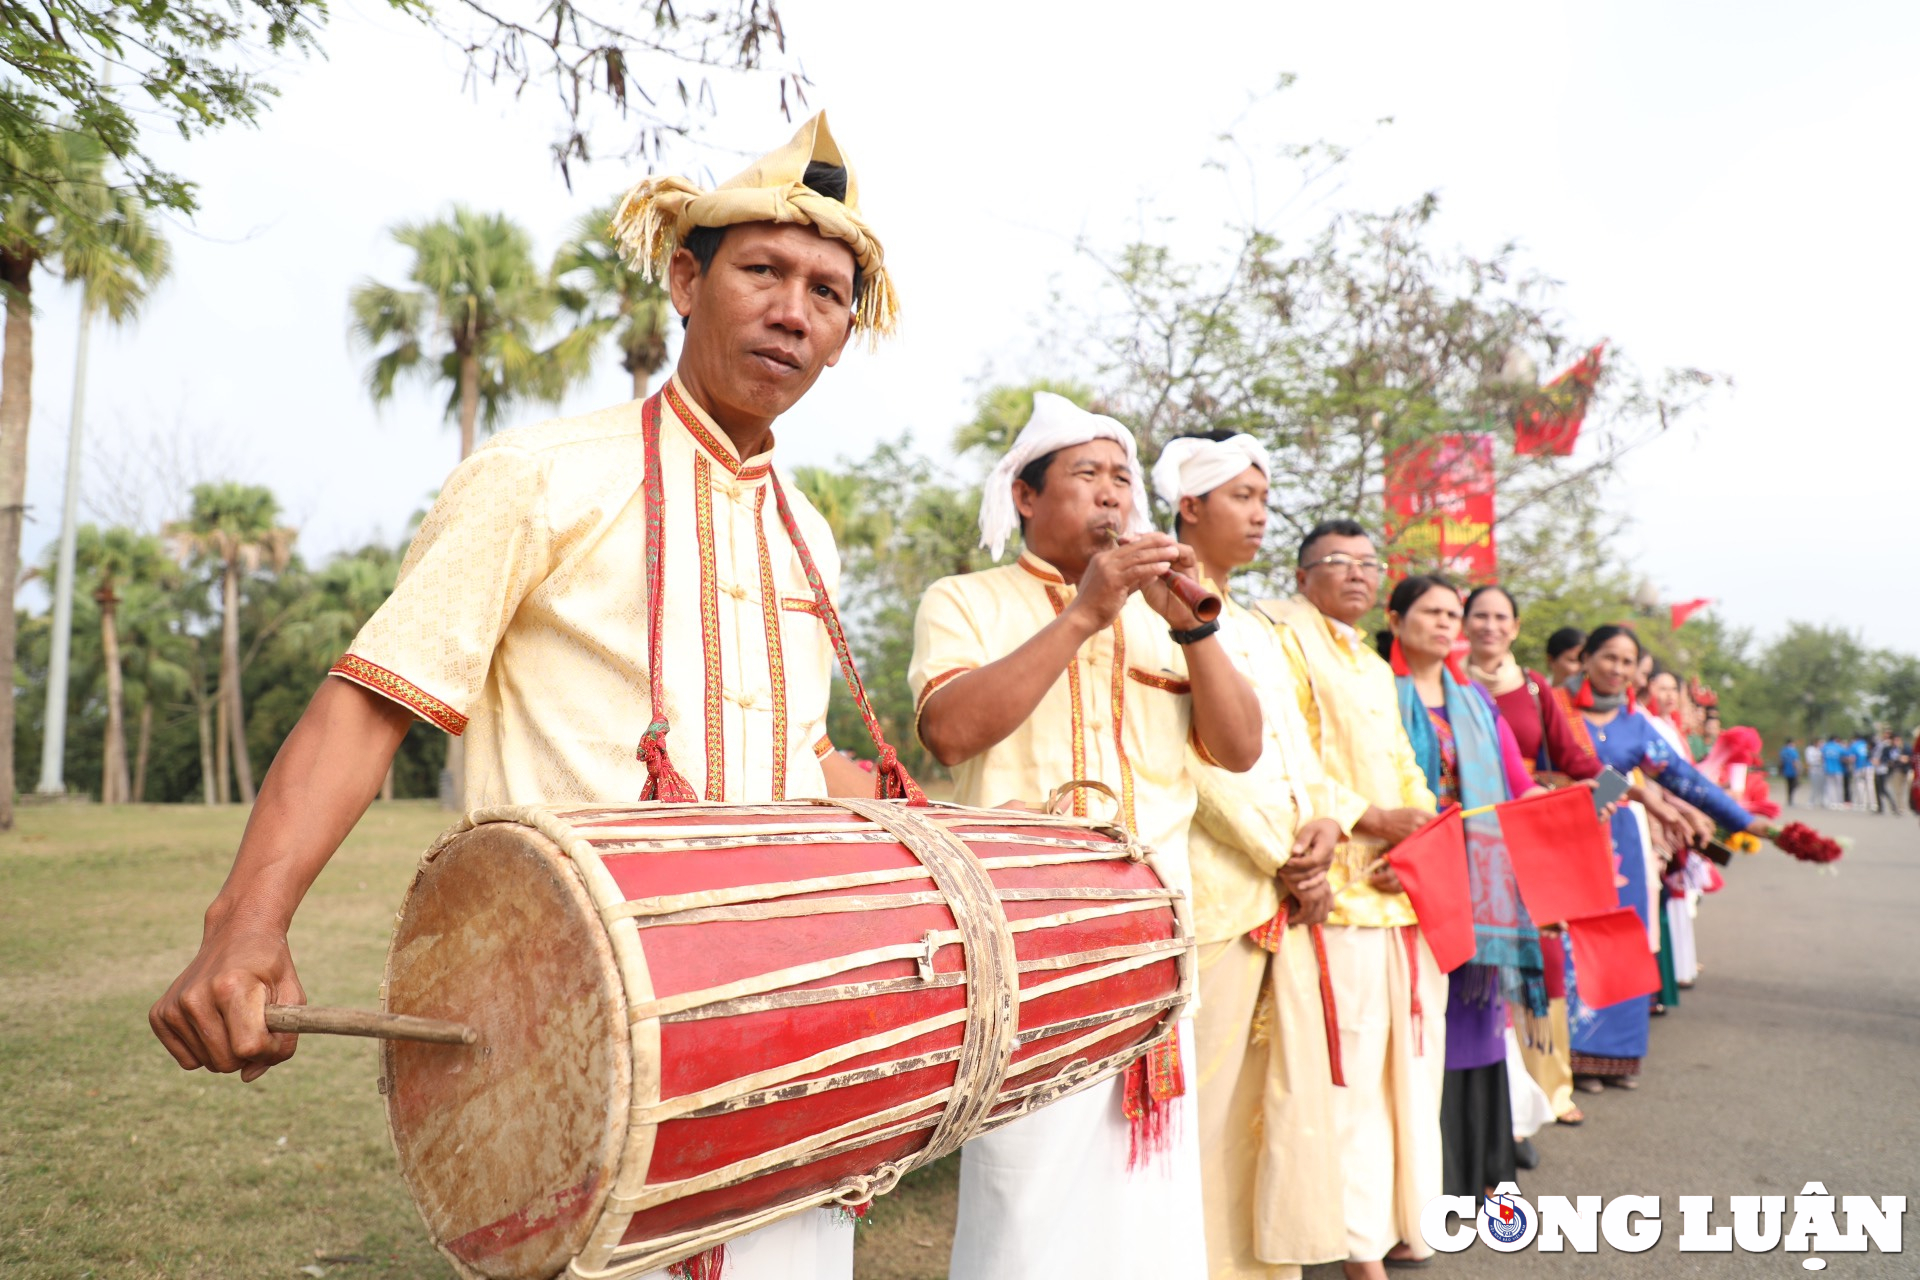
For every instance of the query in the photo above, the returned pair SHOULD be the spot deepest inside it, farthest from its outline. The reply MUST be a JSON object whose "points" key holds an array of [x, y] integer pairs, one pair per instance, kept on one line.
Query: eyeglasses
{"points": [[1341, 563]]}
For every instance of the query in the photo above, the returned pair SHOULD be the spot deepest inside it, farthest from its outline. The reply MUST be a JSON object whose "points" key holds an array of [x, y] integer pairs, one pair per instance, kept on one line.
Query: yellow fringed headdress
{"points": [[657, 214]]}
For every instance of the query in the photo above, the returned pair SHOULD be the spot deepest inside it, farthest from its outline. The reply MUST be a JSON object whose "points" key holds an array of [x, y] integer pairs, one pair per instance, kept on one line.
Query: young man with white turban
{"points": [[577, 583], [1259, 850], [1077, 662]]}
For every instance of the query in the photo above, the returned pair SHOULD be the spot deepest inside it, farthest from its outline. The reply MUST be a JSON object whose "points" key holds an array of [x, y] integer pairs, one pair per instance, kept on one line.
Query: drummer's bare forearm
{"points": [[326, 774], [976, 711], [1226, 713], [324, 777]]}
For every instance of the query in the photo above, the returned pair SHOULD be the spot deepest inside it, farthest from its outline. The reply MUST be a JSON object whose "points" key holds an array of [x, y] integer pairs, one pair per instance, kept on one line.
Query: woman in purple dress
{"points": [[1471, 759]]}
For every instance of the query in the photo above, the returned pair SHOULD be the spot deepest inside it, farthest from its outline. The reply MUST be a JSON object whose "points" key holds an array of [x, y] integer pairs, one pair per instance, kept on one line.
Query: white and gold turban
{"points": [[1191, 467], [1057, 423], [657, 214]]}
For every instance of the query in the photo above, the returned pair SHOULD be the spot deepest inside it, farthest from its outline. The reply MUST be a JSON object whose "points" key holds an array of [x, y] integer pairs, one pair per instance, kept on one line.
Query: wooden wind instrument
{"points": [[1205, 604]]}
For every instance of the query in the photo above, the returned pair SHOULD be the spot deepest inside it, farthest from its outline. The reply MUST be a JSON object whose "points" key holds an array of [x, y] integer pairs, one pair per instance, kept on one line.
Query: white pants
{"points": [[1050, 1197], [1532, 1109], [1388, 1116], [814, 1245]]}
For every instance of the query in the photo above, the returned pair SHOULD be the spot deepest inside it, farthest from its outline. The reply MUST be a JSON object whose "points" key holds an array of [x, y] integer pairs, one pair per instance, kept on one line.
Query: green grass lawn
{"points": [[115, 1163]]}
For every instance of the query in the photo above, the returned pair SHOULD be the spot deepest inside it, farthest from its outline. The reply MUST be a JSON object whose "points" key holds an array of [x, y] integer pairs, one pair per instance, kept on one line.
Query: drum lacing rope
{"points": [[862, 1187], [664, 782], [993, 976]]}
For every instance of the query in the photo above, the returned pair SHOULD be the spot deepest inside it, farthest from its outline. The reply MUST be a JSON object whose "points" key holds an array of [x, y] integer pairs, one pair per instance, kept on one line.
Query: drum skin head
{"points": [[510, 1146]]}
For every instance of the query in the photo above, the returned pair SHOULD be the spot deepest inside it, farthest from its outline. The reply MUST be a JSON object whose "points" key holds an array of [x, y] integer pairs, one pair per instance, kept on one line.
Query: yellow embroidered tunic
{"points": [[1245, 823], [520, 618], [1120, 714], [1346, 692]]}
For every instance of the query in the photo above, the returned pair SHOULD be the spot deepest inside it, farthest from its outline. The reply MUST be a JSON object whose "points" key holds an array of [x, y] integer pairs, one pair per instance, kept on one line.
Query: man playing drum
{"points": [[522, 614], [1390, 996], [1267, 1139], [1078, 663]]}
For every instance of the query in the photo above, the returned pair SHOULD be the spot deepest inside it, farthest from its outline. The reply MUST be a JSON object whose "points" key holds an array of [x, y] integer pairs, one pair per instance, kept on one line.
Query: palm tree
{"points": [[232, 527], [157, 651], [67, 218], [609, 297], [112, 560], [473, 319]]}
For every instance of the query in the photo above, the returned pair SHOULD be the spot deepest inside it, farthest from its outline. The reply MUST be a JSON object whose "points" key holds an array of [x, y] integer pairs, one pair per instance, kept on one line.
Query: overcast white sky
{"points": [[1725, 185]]}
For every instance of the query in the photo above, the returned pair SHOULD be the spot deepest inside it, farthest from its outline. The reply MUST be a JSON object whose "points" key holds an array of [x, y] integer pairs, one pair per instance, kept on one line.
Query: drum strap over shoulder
{"points": [[664, 782]]}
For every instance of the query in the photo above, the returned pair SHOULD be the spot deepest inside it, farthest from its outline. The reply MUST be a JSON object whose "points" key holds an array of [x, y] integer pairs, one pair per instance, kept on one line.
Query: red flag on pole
{"points": [[1611, 961], [1550, 421], [1432, 866], [1561, 855], [1686, 609]]}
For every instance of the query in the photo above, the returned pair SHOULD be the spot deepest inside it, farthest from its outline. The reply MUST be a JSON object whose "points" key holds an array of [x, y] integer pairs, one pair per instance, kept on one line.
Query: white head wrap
{"points": [[1057, 423], [1190, 467]]}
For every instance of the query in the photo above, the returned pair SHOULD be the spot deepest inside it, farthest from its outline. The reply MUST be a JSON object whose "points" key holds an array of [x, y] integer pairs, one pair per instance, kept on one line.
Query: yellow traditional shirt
{"points": [[1245, 823], [520, 617], [1120, 714], [1352, 708]]}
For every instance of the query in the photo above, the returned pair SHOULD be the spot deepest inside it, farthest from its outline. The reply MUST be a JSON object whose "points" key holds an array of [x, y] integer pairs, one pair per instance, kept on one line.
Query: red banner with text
{"points": [[1440, 508]]}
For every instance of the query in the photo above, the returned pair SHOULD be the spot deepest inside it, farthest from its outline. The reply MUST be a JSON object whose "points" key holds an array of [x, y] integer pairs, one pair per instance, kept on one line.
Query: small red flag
{"points": [[1686, 609], [1611, 961], [1561, 855], [1432, 866]]}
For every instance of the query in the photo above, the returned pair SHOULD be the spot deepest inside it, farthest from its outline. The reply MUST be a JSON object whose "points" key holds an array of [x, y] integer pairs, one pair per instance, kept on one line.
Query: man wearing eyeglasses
{"points": [[1389, 996]]}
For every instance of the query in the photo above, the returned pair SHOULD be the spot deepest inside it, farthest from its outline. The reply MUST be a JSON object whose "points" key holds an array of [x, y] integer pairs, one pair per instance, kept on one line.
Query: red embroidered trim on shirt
{"points": [[1058, 600], [1165, 683], [710, 629], [776, 664], [404, 692], [720, 452]]}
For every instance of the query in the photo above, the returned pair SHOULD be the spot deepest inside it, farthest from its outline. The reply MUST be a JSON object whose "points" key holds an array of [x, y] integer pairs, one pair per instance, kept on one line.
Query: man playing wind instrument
{"points": [[521, 618], [1266, 1080], [1077, 662], [1390, 997]]}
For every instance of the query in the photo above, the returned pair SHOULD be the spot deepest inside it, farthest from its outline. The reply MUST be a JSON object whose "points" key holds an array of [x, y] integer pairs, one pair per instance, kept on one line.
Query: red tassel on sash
{"points": [[1147, 1091], [701, 1266], [1410, 934], [1328, 1011]]}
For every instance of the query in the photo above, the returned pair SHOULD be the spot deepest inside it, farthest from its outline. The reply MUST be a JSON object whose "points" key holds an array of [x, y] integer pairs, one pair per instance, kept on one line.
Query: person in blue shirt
{"points": [[1862, 773], [1832, 758], [1790, 768]]}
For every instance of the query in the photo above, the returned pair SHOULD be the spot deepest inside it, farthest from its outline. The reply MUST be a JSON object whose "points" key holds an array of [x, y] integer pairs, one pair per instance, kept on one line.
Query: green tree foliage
{"points": [[1361, 342], [473, 320], [57, 213], [1896, 692], [233, 531], [900, 525], [607, 297]]}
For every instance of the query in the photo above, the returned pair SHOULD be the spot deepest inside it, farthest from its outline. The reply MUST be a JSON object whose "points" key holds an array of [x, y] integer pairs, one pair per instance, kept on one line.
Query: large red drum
{"points": [[697, 1020]]}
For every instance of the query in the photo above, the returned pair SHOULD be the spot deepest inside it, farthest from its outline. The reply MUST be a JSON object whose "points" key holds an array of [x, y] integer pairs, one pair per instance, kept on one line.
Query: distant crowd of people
{"points": [[1868, 771]]}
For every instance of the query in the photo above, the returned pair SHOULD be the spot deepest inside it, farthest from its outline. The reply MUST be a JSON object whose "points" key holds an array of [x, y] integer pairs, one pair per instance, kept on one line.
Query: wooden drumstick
{"points": [[307, 1019]]}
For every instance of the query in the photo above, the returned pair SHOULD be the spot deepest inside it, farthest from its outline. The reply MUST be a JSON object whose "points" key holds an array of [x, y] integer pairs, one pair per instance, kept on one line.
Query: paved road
{"points": [[1795, 1059]]}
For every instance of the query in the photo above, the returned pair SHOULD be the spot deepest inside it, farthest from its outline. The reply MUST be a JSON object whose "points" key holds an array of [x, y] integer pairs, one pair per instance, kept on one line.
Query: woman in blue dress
{"points": [[1609, 1043]]}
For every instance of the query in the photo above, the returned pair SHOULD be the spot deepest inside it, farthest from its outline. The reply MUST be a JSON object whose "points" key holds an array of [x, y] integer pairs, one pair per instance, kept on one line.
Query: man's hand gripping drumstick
{"points": [[326, 774]]}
